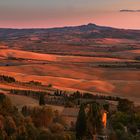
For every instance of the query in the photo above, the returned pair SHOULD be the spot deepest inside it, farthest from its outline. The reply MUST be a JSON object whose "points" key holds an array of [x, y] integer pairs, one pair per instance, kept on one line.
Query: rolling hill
{"points": [[88, 57]]}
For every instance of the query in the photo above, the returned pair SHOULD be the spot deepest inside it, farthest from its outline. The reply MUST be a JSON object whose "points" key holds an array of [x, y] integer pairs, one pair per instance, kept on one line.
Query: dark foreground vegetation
{"points": [[43, 123], [123, 123], [94, 117], [40, 123]]}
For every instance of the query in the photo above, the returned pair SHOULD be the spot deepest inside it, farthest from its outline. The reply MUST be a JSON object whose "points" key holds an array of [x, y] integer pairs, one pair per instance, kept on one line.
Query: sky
{"points": [[58, 13]]}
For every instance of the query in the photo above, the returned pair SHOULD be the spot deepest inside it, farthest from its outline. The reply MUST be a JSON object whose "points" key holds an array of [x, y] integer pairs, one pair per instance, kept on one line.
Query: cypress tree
{"points": [[41, 99], [81, 124], [94, 120]]}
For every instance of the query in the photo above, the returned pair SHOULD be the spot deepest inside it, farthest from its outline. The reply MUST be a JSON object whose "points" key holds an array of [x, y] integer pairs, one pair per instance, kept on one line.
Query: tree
{"points": [[137, 119], [81, 124], [56, 128], [41, 99], [94, 120], [121, 117], [133, 129], [32, 131], [6, 106], [125, 105], [76, 94], [42, 117], [25, 111], [7, 79], [10, 126], [44, 134], [106, 107], [2, 97], [49, 85]]}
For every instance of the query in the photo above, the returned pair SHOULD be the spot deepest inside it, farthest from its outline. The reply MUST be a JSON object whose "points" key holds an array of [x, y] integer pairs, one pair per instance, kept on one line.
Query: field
{"points": [[108, 65]]}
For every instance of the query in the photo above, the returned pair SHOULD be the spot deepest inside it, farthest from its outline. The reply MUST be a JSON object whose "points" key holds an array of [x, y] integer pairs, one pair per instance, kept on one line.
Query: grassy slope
{"points": [[74, 72]]}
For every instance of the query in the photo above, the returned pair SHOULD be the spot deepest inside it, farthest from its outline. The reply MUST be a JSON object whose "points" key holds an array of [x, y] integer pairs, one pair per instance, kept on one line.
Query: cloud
{"points": [[127, 10]]}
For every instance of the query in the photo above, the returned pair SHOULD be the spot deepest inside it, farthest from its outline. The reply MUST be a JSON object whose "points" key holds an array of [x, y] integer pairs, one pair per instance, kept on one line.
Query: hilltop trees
{"points": [[36, 83], [7, 79]]}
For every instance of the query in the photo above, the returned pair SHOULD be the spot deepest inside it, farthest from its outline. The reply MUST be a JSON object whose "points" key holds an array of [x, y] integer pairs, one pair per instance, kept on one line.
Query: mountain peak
{"points": [[91, 24]]}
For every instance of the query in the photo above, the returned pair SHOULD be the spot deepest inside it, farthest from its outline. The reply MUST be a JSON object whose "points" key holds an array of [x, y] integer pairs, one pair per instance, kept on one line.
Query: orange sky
{"points": [[56, 13]]}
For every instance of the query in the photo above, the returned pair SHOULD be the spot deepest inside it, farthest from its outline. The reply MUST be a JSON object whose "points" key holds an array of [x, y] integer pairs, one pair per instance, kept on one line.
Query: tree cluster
{"points": [[38, 123], [7, 79], [126, 121], [89, 123]]}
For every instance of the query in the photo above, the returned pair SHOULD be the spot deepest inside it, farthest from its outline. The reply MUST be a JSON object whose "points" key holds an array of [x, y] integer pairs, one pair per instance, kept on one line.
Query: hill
{"points": [[88, 57]]}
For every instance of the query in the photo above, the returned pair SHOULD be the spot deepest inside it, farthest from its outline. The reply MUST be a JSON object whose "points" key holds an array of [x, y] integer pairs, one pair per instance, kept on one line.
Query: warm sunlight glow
{"points": [[104, 119]]}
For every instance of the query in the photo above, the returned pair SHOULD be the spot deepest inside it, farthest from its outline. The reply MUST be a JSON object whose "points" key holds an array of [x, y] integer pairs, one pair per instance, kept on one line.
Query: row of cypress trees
{"points": [[89, 123]]}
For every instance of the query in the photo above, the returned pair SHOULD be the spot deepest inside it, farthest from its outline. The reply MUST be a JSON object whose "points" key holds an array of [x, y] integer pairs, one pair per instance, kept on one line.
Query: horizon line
{"points": [[65, 26]]}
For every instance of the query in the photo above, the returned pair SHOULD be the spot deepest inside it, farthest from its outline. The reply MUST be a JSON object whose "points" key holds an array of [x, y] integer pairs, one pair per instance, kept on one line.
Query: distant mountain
{"points": [[84, 39], [83, 31]]}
